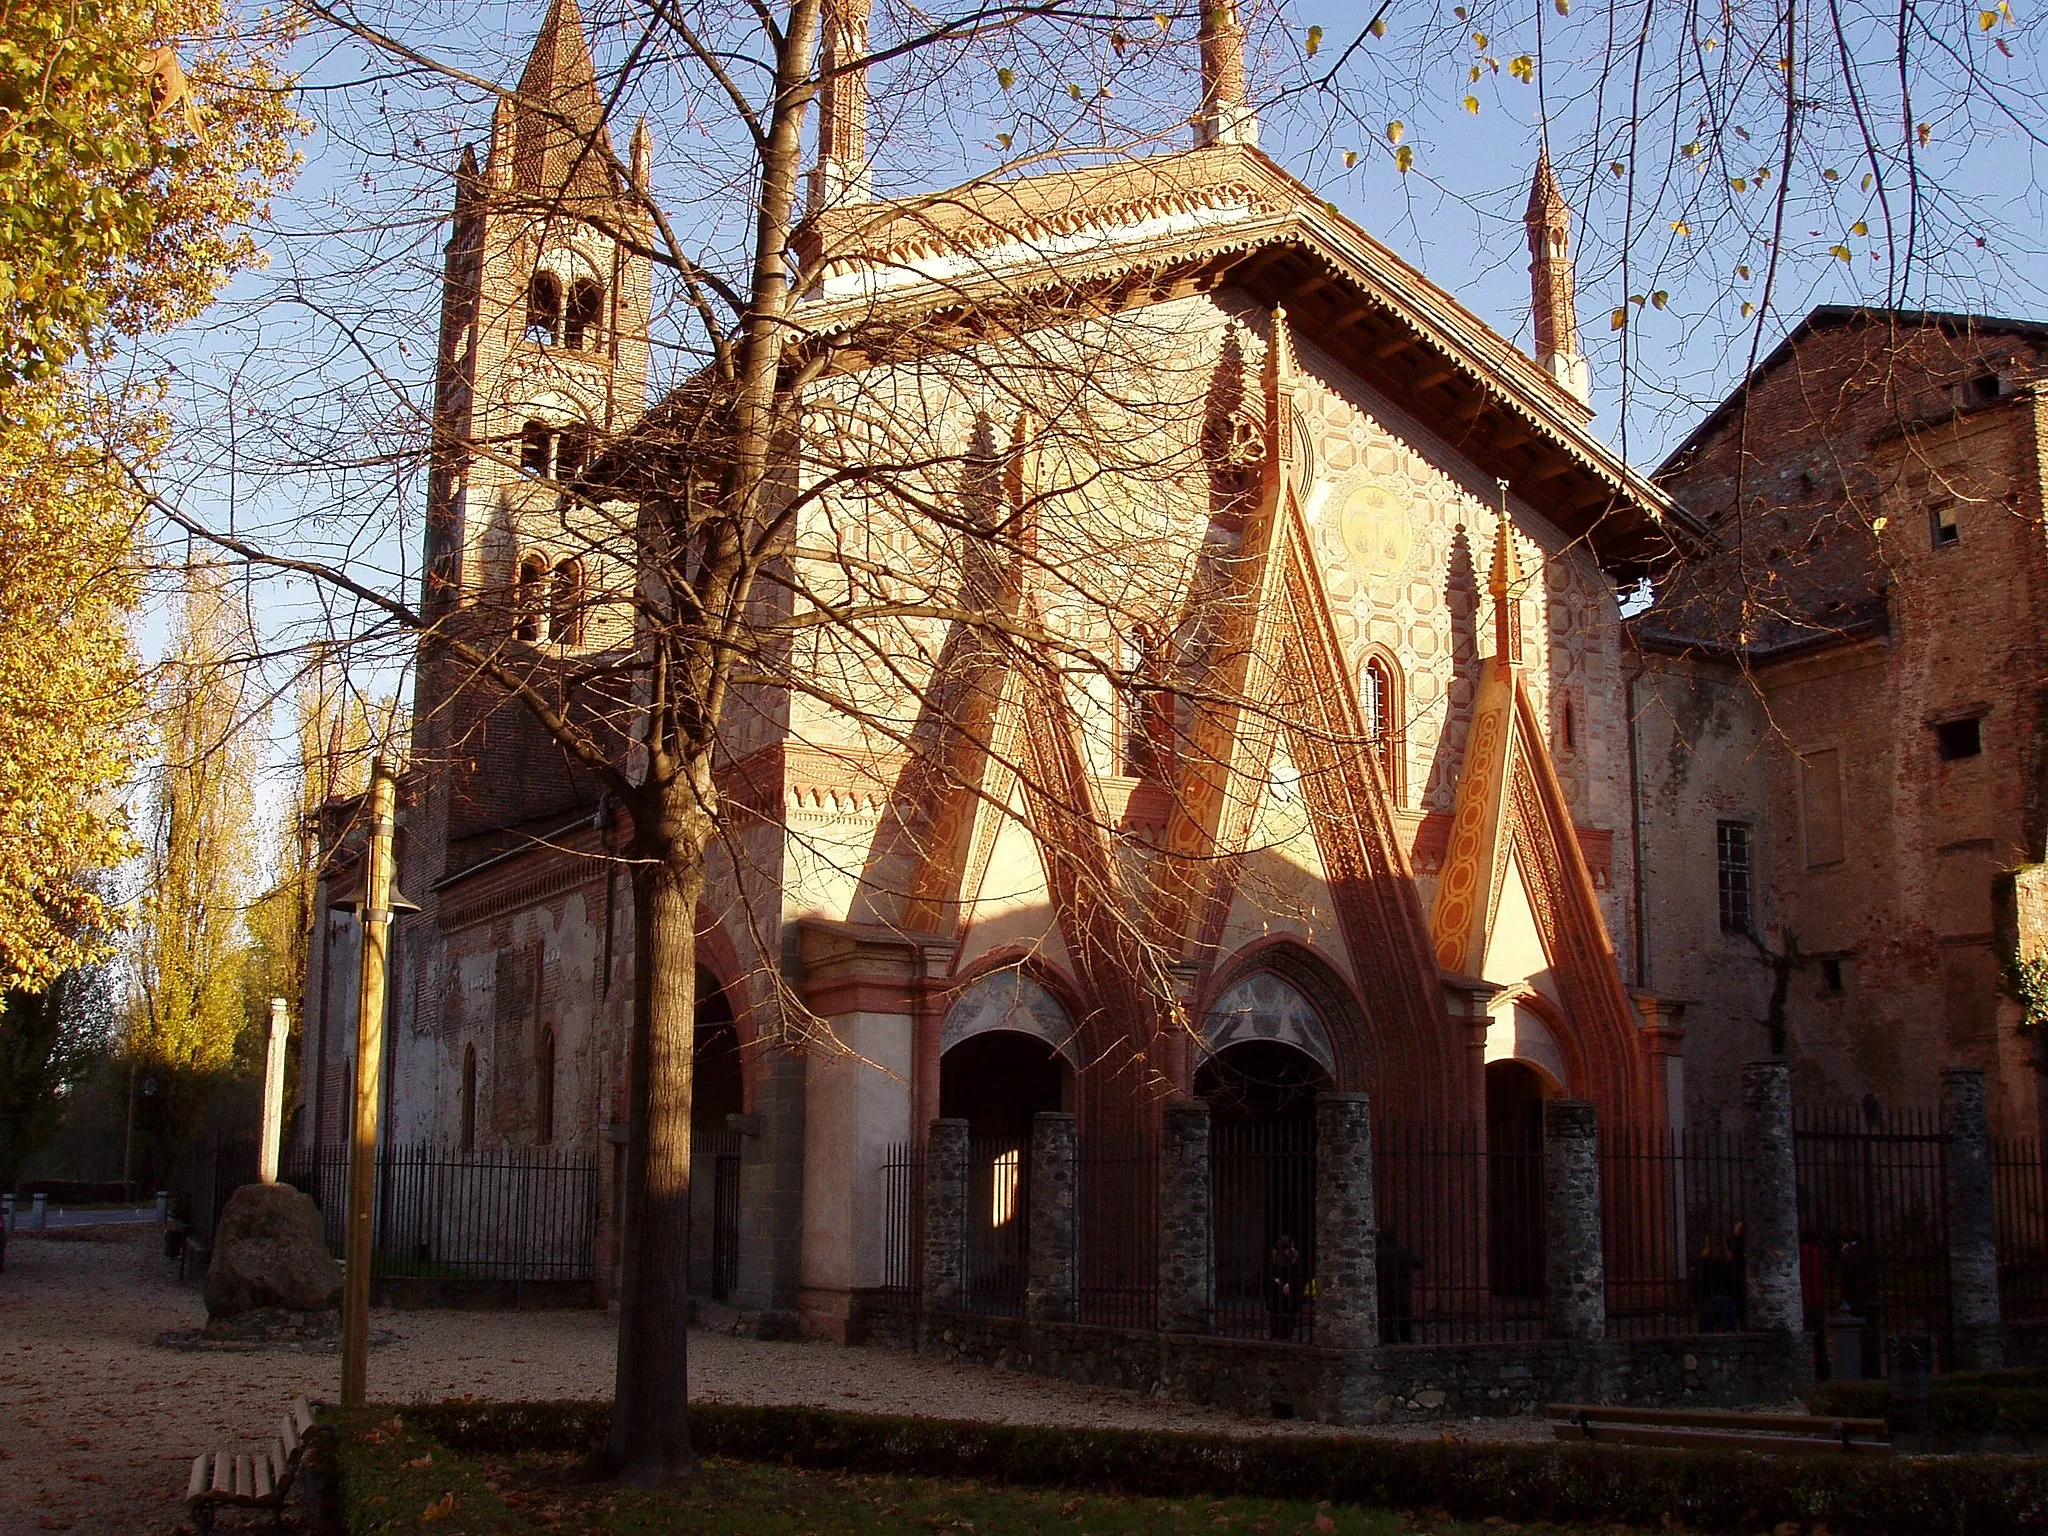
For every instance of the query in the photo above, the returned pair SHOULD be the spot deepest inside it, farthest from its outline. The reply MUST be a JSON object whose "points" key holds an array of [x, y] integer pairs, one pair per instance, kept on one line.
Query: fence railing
{"points": [[998, 1257], [519, 1216], [2019, 1186], [715, 1214], [1672, 1204], [903, 1219], [1464, 1204], [1118, 1208], [217, 1166], [1263, 1215], [1873, 1222]]}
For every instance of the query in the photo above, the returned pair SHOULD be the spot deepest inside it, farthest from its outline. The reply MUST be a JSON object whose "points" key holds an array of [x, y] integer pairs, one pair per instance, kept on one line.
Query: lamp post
{"points": [[268, 1150], [375, 904]]}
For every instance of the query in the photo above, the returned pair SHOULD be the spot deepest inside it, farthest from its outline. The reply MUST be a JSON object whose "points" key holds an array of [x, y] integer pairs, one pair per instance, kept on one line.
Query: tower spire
{"points": [[1503, 582], [841, 174], [1553, 295], [1224, 118]]}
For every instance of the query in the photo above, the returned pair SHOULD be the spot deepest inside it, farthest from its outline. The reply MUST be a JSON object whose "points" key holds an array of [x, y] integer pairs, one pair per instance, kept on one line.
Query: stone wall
{"points": [[1420, 1382]]}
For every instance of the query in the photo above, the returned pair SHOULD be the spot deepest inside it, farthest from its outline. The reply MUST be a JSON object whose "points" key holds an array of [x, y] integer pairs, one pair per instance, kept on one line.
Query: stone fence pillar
{"points": [[1771, 1214], [945, 1216], [1972, 1221], [1049, 1291], [1347, 1237], [1575, 1270], [1185, 1244]]}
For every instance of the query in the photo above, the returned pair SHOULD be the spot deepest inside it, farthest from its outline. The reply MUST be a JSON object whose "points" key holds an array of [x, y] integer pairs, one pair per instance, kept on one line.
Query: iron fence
{"points": [[903, 1219], [1263, 1217], [998, 1255], [1118, 1200], [1460, 1208], [2019, 1186], [715, 1214], [1873, 1223], [217, 1166], [519, 1216], [1672, 1205]]}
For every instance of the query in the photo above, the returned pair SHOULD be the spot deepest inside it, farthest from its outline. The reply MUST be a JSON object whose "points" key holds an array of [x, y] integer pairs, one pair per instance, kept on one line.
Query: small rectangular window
{"points": [[1945, 530], [1831, 974], [1732, 874], [1958, 738]]}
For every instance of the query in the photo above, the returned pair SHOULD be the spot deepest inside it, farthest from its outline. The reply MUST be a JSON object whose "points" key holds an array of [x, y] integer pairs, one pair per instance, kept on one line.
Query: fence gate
{"points": [[1873, 1222], [725, 1225]]}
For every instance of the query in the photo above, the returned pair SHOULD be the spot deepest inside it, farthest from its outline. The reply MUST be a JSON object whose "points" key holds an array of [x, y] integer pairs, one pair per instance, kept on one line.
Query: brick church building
{"points": [[1381, 835]]}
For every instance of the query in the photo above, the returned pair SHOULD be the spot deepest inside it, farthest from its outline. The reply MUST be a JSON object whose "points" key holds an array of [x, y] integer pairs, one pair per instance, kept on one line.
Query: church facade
{"points": [[1334, 792]]}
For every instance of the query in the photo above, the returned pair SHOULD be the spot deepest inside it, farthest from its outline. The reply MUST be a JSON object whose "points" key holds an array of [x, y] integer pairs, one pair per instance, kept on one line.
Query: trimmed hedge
{"points": [[1732, 1491], [1963, 1408]]}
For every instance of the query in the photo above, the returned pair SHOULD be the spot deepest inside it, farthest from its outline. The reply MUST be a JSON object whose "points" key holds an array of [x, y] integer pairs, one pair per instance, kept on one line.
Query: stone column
{"points": [[1185, 1248], [1575, 1270], [1770, 1215], [1972, 1221], [1347, 1236], [945, 1216], [1050, 1292]]}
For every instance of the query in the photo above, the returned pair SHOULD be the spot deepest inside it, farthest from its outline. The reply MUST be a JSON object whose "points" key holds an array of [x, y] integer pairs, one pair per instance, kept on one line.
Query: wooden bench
{"points": [[229, 1480], [1796, 1434]]}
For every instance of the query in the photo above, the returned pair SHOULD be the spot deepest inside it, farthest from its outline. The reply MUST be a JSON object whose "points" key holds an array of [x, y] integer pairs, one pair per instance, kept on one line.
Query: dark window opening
{"points": [[536, 449], [543, 308], [572, 453], [530, 598], [565, 603], [584, 315], [1831, 974], [1958, 738], [1946, 530], [1985, 387], [1571, 728], [1732, 875]]}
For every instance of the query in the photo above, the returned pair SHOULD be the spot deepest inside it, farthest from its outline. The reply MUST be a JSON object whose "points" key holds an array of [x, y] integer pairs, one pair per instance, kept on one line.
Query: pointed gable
{"points": [[560, 142]]}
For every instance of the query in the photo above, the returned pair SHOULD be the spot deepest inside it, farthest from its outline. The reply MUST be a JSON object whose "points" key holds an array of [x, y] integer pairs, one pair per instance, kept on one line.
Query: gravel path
{"points": [[98, 1424]]}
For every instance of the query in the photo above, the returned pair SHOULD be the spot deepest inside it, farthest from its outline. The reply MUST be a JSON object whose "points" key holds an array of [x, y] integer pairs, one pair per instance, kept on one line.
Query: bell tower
{"points": [[543, 356], [1553, 290]]}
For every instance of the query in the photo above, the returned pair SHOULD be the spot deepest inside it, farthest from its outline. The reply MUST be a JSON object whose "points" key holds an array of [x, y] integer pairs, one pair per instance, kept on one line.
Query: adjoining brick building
{"points": [[1841, 716], [1405, 869]]}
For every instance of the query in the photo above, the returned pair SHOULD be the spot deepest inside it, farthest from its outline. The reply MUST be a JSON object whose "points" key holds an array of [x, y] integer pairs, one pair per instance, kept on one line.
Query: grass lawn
{"points": [[400, 1480]]}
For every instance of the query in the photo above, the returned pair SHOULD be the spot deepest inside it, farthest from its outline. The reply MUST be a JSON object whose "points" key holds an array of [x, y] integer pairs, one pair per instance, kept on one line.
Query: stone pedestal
{"points": [[1186, 1251], [945, 1216], [1575, 1271], [1347, 1236], [1050, 1291], [1972, 1222], [1771, 1214]]}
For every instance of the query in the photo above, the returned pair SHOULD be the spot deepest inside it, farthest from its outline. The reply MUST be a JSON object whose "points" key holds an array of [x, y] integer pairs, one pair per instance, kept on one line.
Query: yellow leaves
{"points": [[1619, 167], [1689, 150], [1748, 309], [1004, 139], [1404, 158], [1842, 252], [1878, 524], [1472, 105], [1868, 181], [1618, 320], [1475, 73], [1923, 133], [1479, 41], [1314, 40], [1564, 7], [1350, 158], [1739, 183], [1377, 26], [1005, 76], [1986, 20], [1659, 299], [440, 1509], [1830, 174], [1742, 272], [1073, 90], [1165, 21], [1396, 131], [1860, 227], [1523, 68], [1681, 229]]}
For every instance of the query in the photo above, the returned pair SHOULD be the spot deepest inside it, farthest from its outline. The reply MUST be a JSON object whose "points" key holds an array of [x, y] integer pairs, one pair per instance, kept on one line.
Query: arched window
{"points": [[572, 452], [530, 600], [543, 308], [469, 1098], [565, 603], [544, 1102], [1379, 699], [584, 315], [536, 449]]}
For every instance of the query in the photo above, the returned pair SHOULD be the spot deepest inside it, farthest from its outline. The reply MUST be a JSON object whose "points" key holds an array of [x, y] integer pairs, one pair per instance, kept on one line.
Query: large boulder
{"points": [[269, 1251]]}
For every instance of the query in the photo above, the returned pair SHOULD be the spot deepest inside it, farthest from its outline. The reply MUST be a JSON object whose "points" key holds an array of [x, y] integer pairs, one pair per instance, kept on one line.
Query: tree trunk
{"points": [[650, 1431]]}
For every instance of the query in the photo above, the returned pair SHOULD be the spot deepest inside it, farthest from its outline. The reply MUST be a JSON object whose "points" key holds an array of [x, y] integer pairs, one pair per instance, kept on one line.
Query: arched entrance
{"points": [[716, 1089], [1003, 1059], [1267, 1056], [1515, 1091]]}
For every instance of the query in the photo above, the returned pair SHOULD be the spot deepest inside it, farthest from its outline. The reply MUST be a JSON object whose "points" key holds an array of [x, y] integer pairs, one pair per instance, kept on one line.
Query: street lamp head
{"points": [[345, 893]]}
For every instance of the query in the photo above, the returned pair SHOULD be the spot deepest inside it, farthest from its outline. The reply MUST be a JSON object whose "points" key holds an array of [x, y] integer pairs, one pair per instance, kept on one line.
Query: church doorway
{"points": [[1261, 1096], [1515, 1093], [997, 1081]]}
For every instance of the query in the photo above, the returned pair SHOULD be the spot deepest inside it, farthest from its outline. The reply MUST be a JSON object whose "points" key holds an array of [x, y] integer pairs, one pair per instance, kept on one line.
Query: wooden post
{"points": [[269, 1149], [375, 916]]}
